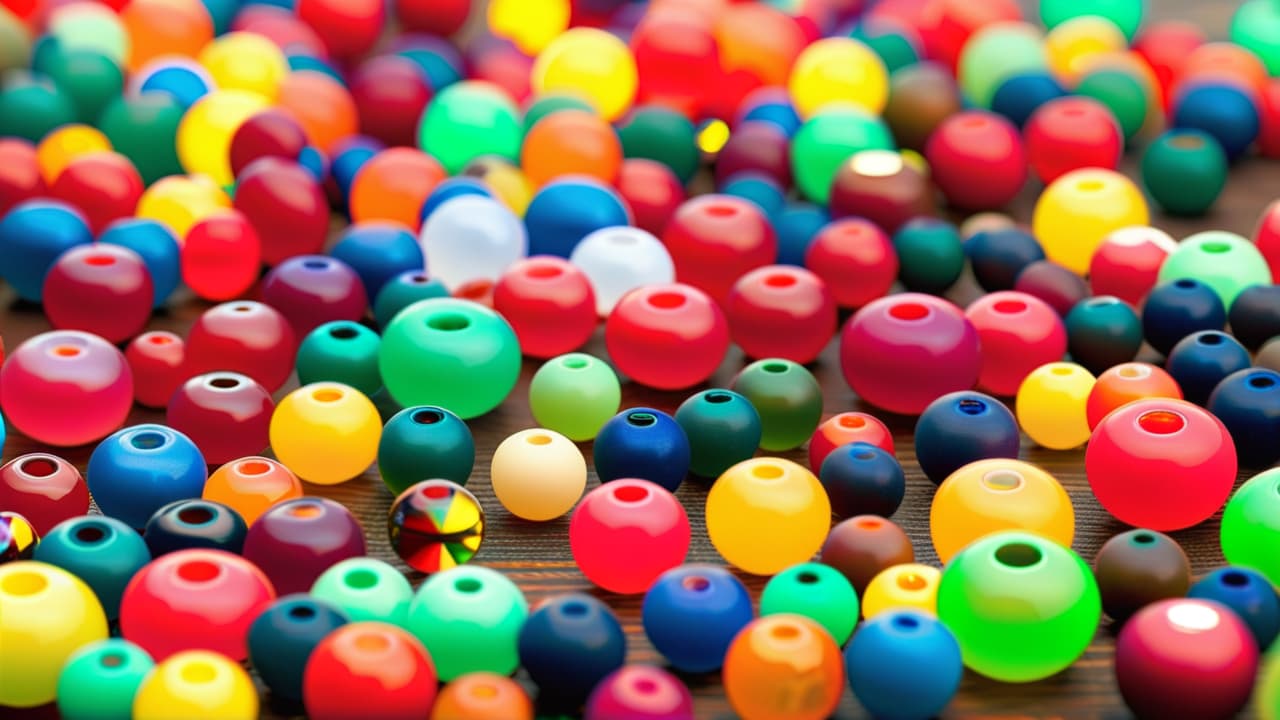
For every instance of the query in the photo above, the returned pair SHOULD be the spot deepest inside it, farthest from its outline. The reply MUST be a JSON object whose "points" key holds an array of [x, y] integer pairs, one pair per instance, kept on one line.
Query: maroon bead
{"points": [[99, 288], [715, 239], [756, 146], [856, 259], [882, 187], [549, 303], [862, 546], [286, 207], [270, 133], [245, 337], [43, 488], [390, 93], [227, 415], [1052, 283], [295, 541], [652, 191], [921, 97], [311, 290], [781, 311], [156, 359], [1137, 568], [977, 160]]}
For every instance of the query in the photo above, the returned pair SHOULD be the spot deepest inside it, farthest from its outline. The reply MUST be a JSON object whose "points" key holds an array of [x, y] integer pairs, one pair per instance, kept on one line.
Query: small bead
{"points": [[1137, 568]]}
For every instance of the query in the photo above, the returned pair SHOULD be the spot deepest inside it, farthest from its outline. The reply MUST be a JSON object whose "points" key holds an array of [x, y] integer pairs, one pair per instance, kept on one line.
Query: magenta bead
{"points": [[640, 692], [902, 352], [245, 337], [227, 415], [626, 533], [295, 541], [311, 290], [102, 289]]}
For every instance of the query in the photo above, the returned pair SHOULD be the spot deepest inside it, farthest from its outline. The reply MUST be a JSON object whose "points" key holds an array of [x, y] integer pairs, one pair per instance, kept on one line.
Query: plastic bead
{"points": [[838, 69], [862, 479], [44, 489], [378, 252], [227, 415], [626, 533], [1248, 525], [20, 539], [549, 304], [1184, 171], [311, 290], [1137, 568], [1071, 133], [365, 589], [1051, 405], [715, 239], [341, 351], [568, 644], [188, 524], [640, 692], [882, 186], [1224, 261], [855, 259], [930, 255], [1177, 309], [1103, 332], [667, 336], [102, 289], [138, 470], [251, 485], [1053, 284], [245, 337], [618, 259], [1125, 383], [1092, 202], [757, 147], [423, 442], [565, 211], [453, 234], [828, 139], [392, 185], [1018, 333], [102, 552], [774, 655], [296, 540], [538, 474], [369, 668], [922, 95], [402, 291], [1202, 360], [777, 311], [198, 685], [1127, 263], [100, 680], [978, 160], [1000, 494], [282, 638], [270, 133], [1248, 404], [998, 256], [818, 592], [1125, 87], [575, 395], [1255, 315], [1249, 595], [482, 696], [469, 619], [156, 360], [692, 613], [846, 428], [787, 398], [435, 525], [1233, 120], [326, 433], [861, 547], [909, 585], [904, 664], [32, 237], [766, 514], [960, 428]]}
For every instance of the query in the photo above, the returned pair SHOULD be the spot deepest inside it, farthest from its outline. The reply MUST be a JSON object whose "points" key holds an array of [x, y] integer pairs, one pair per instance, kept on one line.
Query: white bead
{"points": [[472, 237], [620, 259]]}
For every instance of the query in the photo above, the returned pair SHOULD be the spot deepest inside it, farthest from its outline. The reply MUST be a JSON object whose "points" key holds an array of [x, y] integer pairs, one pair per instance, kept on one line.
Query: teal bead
{"points": [[723, 429], [575, 395], [930, 255], [1184, 171], [664, 135], [1103, 332], [91, 80], [816, 591], [31, 106], [402, 291], [469, 618], [895, 49], [1122, 93], [99, 681], [341, 351], [1224, 261], [366, 588], [788, 399], [425, 443], [102, 551]]}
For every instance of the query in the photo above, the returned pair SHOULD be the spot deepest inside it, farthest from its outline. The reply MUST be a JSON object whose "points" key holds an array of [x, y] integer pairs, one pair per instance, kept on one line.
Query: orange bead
{"points": [[783, 666], [571, 142], [1224, 61], [482, 696], [321, 106], [1125, 383], [758, 39], [251, 485], [393, 185], [165, 27]]}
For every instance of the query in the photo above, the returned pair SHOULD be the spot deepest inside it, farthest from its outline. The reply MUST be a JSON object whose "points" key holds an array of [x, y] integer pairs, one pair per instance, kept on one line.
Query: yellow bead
{"points": [[838, 70], [590, 63], [1051, 405], [245, 61], [766, 514], [204, 135], [1072, 47], [1078, 210], [46, 614], [998, 494], [508, 183], [65, 144], [196, 685], [530, 24], [538, 474], [911, 585], [180, 202], [326, 432]]}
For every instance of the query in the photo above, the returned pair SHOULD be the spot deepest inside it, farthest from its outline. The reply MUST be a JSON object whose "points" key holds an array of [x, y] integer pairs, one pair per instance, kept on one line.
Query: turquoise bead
{"points": [[341, 351], [575, 395], [788, 399], [402, 291], [425, 443], [469, 618], [366, 589], [102, 551], [816, 591], [100, 679], [930, 255], [723, 429]]}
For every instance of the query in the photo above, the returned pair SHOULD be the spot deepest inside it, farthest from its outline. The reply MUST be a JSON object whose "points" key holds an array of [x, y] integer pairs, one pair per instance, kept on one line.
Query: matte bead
{"points": [[818, 592], [565, 210], [44, 489], [1176, 309], [101, 551], [366, 589], [469, 619], [140, 469], [226, 414], [787, 398], [861, 547], [538, 474], [422, 442], [1070, 133], [998, 256], [194, 524], [1248, 404], [626, 533], [1184, 171], [574, 395], [904, 664], [435, 525], [960, 428], [692, 613], [643, 443], [1255, 315], [282, 637], [1202, 360], [341, 351], [1137, 568], [1249, 595], [1227, 113], [297, 540], [618, 260], [766, 513], [101, 679], [378, 252], [775, 654], [1103, 332], [1055, 284], [197, 685], [862, 479], [568, 644], [930, 255]]}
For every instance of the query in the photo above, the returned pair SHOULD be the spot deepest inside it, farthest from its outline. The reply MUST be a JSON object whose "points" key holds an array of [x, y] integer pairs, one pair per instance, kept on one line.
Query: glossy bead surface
{"points": [[538, 474], [765, 514], [1018, 333], [816, 591], [19, 536], [1137, 568], [568, 644], [549, 303], [1184, 171], [1202, 360], [1226, 262], [989, 496], [974, 145], [452, 235], [846, 428], [1176, 309], [786, 396], [33, 234], [715, 239], [930, 255], [692, 613], [103, 552], [1255, 315], [855, 259], [1070, 133], [1128, 261], [640, 692], [1091, 202], [286, 206], [1248, 404], [404, 290], [220, 256], [365, 589], [369, 668], [643, 443], [909, 585], [960, 428], [1249, 595], [1051, 405], [226, 414], [341, 351], [862, 479], [1103, 332], [626, 533], [194, 524], [435, 525], [245, 337], [1222, 110], [904, 664], [1055, 284], [469, 618], [482, 696], [156, 360], [778, 311], [101, 679], [311, 290], [421, 442], [861, 547], [999, 255], [667, 336], [138, 470], [44, 489], [882, 186], [251, 485], [282, 637], [1125, 383], [618, 260], [199, 685], [1249, 526], [326, 432], [783, 666], [566, 210], [102, 289], [296, 540], [575, 395]]}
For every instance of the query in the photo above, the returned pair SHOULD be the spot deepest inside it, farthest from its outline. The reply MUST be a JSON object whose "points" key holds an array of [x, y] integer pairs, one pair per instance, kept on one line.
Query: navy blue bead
{"points": [[1177, 309], [1223, 111], [1255, 315], [32, 236], [759, 188], [281, 639], [1021, 95], [378, 252], [156, 245], [1248, 403], [999, 256], [138, 470], [195, 524], [692, 613], [565, 211], [904, 665], [102, 551], [963, 427], [643, 443], [1202, 360], [862, 479], [796, 226], [1103, 332], [568, 645], [1249, 595], [450, 189]]}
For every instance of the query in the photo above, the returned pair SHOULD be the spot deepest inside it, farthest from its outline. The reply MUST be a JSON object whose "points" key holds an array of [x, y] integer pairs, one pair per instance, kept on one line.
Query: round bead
{"points": [[1248, 404], [640, 692], [1255, 315], [904, 664], [482, 696], [378, 252], [667, 336], [32, 236], [326, 433], [221, 255], [226, 414], [818, 592], [297, 540], [469, 619], [1176, 309], [1249, 595], [846, 428], [365, 589], [44, 489], [138, 470], [977, 159], [787, 397], [538, 474], [245, 337], [1018, 333], [715, 239], [921, 96], [1001, 494], [1128, 261], [100, 680], [18, 536], [862, 479], [369, 668], [861, 547], [766, 514], [618, 260], [1070, 133], [1202, 360], [1079, 209], [574, 395], [653, 192], [549, 304], [692, 613], [568, 644], [1125, 383], [1224, 261], [643, 443], [288, 209], [855, 259], [960, 428], [341, 351], [773, 656], [1222, 110], [780, 311], [311, 290], [1184, 171], [402, 291], [198, 685], [909, 585], [1137, 568], [883, 187], [570, 142], [930, 255], [103, 289], [1051, 405], [999, 255], [1052, 283], [458, 229], [421, 442], [101, 551], [156, 360], [565, 211], [194, 524], [626, 533], [435, 525], [251, 485], [1249, 527], [282, 638], [1103, 332]]}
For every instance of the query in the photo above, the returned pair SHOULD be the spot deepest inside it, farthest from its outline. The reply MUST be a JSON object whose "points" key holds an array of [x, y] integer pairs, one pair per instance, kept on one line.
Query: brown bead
{"points": [[862, 546], [1137, 568], [883, 187], [921, 96], [1269, 355]]}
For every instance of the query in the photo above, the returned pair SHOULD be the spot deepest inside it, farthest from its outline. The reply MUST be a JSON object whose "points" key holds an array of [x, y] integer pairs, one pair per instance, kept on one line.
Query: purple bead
{"points": [[640, 692], [1052, 283], [311, 290], [297, 540]]}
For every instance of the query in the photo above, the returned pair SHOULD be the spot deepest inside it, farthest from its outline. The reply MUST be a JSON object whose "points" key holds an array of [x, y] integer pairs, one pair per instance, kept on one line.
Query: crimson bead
{"points": [[311, 290], [977, 160], [227, 415], [756, 146], [20, 178], [1069, 133], [1019, 333], [626, 533], [652, 191], [245, 337], [549, 303], [43, 488], [880, 186], [667, 336], [846, 428], [390, 93], [1267, 238], [297, 540], [285, 205], [1057, 286], [104, 186], [856, 259], [1269, 114], [270, 133], [781, 311], [102, 289], [1127, 263], [369, 670], [715, 239], [221, 255], [157, 360]]}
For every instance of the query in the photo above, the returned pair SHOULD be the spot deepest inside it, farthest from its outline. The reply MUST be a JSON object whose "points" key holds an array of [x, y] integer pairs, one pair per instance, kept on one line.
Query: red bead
{"points": [[1166, 46], [715, 239], [390, 93], [1186, 658], [281, 27], [499, 61], [221, 255], [1019, 333], [227, 415], [640, 692], [977, 160], [245, 337], [846, 428], [1052, 283], [756, 146], [903, 352], [677, 60], [626, 533], [549, 303], [1122, 384], [667, 336], [195, 599], [349, 28], [286, 207], [311, 290], [878, 185], [436, 17], [369, 670], [157, 359], [1160, 463], [1127, 263], [856, 259], [270, 133], [43, 488], [1070, 133], [297, 540], [948, 24], [20, 178], [1269, 114], [102, 289], [652, 191], [1267, 238], [104, 186], [781, 311]]}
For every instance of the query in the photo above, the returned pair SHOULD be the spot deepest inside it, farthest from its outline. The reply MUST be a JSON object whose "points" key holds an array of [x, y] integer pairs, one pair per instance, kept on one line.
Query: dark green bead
{"points": [[92, 80], [341, 351], [1103, 332], [143, 129], [788, 399], [663, 135], [402, 291], [1184, 171], [101, 679], [894, 49], [32, 106], [425, 443], [1122, 94], [723, 430], [816, 591], [930, 255], [548, 104]]}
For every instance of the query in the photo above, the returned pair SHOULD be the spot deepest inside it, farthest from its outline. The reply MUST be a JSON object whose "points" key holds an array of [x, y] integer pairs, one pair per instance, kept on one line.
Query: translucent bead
{"points": [[472, 238], [619, 259]]}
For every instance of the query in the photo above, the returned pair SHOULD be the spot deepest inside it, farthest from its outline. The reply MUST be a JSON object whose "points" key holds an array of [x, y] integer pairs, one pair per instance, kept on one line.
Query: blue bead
{"points": [[2, 435], [1248, 403], [378, 252], [402, 291], [348, 161], [1177, 309], [759, 188], [903, 665], [782, 114], [963, 427], [32, 236], [281, 639], [1103, 332], [185, 524], [452, 188], [796, 226], [1255, 315], [301, 61], [568, 645], [102, 551], [862, 479], [998, 256], [643, 443], [692, 613], [138, 470], [438, 59], [183, 84], [1202, 360], [156, 245], [565, 211], [314, 162], [1021, 95], [1249, 595], [222, 12], [1223, 111]]}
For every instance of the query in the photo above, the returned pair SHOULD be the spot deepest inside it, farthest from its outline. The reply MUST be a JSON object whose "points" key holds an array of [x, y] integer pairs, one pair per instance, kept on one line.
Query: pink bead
{"points": [[652, 191], [856, 260], [227, 415], [1019, 333], [668, 337], [156, 359], [715, 239], [43, 488], [1127, 263], [245, 337], [311, 290], [845, 428], [549, 303], [102, 289], [640, 692], [626, 533], [781, 311]]}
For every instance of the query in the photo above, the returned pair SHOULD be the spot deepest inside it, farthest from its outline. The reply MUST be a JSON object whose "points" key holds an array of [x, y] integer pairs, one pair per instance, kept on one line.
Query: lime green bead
{"points": [[1021, 606], [723, 430], [788, 399], [100, 679], [827, 140], [366, 589], [1126, 14], [90, 79], [930, 255], [995, 54], [469, 619], [100, 32], [1256, 27], [470, 120], [425, 443], [816, 591], [575, 395], [1224, 261], [666, 136], [1122, 93], [144, 129], [547, 104], [30, 107], [1184, 171], [1251, 525], [341, 351]]}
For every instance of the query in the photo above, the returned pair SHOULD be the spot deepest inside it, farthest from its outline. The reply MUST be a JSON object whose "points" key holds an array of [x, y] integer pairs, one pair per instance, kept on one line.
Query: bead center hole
{"points": [[253, 467], [911, 581], [66, 351], [371, 643], [905, 622], [427, 417], [160, 340], [971, 406], [223, 382], [1010, 307], [767, 472], [112, 660], [869, 524], [24, 584], [1134, 372], [696, 583], [718, 397], [148, 440], [467, 585], [1144, 538], [538, 439], [722, 211], [449, 322], [343, 332], [575, 609], [853, 422], [1262, 382], [306, 511], [315, 264], [361, 579], [1089, 185], [780, 281], [302, 612], [666, 300], [642, 419], [775, 367], [327, 395], [100, 260], [909, 311], [1161, 422], [631, 494], [1210, 338], [544, 272], [1235, 579], [575, 363], [38, 467], [198, 571], [1215, 247], [91, 534], [198, 515], [785, 632], [1002, 480], [198, 673], [1018, 555]]}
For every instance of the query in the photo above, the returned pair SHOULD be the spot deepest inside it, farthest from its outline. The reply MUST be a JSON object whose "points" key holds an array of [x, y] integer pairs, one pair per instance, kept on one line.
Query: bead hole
{"points": [[302, 612], [911, 581], [24, 584], [972, 407], [197, 515], [198, 673], [642, 419], [538, 439], [1184, 284], [148, 440], [575, 363], [807, 578], [543, 272], [775, 367], [1018, 555], [1235, 579], [869, 524], [343, 332], [1161, 422], [372, 643], [767, 472], [1061, 370], [91, 534], [306, 511], [864, 455], [242, 308], [198, 571], [467, 585], [1210, 338], [1262, 382], [1215, 247], [327, 395], [1186, 142], [631, 494], [1133, 372], [780, 281], [717, 397], [223, 382], [696, 583], [38, 467], [1089, 185], [1002, 480], [722, 211], [100, 260], [160, 340], [909, 311], [427, 417], [1144, 538], [1010, 307], [666, 300], [905, 622], [574, 609], [315, 264], [66, 351], [853, 422], [484, 692], [449, 322], [112, 660], [785, 632], [645, 686], [361, 579], [253, 467]]}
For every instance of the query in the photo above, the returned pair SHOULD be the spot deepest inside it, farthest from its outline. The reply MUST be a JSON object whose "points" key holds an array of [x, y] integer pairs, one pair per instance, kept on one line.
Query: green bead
{"points": [[1103, 332], [92, 80], [1126, 14], [365, 588], [995, 54], [827, 140], [788, 399], [1184, 171], [1256, 27], [1021, 606], [403, 291], [723, 430], [30, 107], [547, 104], [930, 255], [143, 129], [816, 591], [1224, 261], [1251, 525], [425, 443], [575, 395], [469, 618], [470, 120], [1266, 697], [102, 33], [99, 681], [894, 48], [666, 136], [341, 351], [453, 353], [1120, 92]]}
